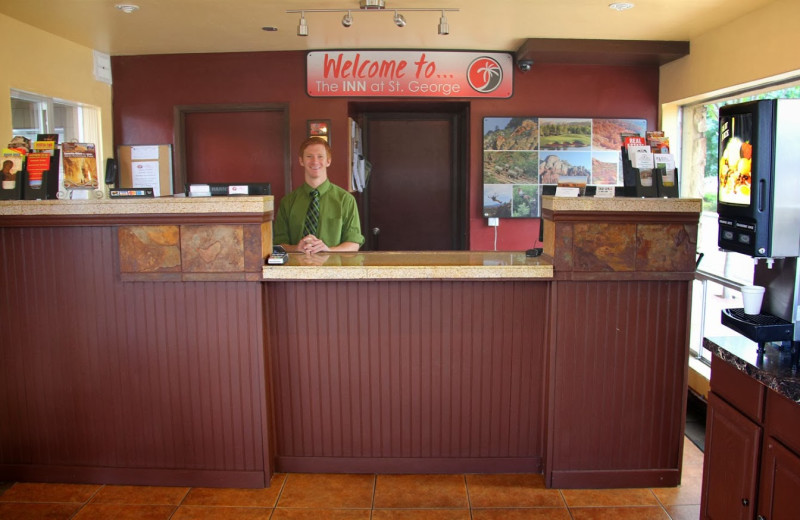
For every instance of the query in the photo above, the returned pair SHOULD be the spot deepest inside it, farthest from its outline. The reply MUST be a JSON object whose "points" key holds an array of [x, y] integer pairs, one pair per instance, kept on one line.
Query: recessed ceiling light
{"points": [[621, 6], [127, 8]]}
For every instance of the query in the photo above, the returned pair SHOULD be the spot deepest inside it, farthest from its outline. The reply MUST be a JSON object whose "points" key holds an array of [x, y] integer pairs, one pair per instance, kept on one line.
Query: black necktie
{"points": [[312, 217]]}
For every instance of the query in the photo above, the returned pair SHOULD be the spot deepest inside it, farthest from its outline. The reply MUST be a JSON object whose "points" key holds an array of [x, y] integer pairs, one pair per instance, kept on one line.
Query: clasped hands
{"points": [[311, 244]]}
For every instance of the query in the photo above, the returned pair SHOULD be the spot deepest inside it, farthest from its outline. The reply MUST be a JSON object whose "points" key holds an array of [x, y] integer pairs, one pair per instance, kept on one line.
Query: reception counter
{"points": [[132, 341], [153, 346], [572, 364]]}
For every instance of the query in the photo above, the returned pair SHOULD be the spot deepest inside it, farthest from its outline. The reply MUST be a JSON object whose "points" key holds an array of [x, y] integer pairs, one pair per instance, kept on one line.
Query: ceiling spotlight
{"points": [[127, 8], [399, 19], [347, 20], [302, 28], [621, 6], [444, 27]]}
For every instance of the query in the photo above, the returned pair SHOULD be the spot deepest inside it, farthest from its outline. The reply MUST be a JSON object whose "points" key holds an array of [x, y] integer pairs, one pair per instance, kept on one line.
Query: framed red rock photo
{"points": [[521, 155]]}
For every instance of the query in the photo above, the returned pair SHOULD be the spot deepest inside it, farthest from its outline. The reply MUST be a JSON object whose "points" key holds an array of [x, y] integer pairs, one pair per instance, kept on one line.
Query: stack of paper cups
{"points": [[752, 296]]}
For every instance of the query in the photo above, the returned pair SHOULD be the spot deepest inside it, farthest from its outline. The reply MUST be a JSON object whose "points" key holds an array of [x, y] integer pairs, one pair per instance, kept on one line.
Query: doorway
{"points": [[416, 199]]}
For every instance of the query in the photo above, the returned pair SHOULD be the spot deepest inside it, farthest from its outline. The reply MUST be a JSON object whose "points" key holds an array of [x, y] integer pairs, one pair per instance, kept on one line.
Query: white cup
{"points": [[752, 296]]}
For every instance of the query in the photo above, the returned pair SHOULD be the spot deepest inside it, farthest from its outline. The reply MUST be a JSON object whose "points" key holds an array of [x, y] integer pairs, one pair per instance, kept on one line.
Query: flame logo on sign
{"points": [[484, 74]]}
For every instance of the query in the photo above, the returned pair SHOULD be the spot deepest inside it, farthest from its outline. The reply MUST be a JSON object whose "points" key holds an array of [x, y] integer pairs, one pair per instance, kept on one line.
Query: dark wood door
{"points": [[731, 463], [416, 188], [780, 483]]}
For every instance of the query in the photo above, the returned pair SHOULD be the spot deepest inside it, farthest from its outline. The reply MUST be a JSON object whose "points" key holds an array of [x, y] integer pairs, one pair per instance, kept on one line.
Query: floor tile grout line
{"points": [[564, 501], [281, 490], [469, 500], [374, 494], [185, 496]]}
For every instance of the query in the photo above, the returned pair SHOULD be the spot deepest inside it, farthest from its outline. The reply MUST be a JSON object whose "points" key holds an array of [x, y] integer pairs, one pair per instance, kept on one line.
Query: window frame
{"points": [[729, 283], [88, 118]]}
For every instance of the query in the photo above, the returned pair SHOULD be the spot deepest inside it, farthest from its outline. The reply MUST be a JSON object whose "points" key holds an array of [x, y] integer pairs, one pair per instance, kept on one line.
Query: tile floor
{"points": [[362, 497]]}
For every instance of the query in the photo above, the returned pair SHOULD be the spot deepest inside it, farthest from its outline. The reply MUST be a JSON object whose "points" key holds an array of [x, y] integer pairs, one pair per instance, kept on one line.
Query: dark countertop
{"points": [[775, 367]]}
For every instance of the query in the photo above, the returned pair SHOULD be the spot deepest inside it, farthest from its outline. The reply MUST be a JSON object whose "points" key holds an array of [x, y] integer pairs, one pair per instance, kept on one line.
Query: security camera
{"points": [[525, 65]]}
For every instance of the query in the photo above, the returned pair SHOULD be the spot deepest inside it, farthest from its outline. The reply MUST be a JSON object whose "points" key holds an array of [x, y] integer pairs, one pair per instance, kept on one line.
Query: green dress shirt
{"points": [[338, 216]]}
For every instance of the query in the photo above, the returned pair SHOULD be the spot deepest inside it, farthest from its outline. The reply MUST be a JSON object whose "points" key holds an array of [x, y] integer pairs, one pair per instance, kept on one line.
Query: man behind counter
{"points": [[337, 225]]}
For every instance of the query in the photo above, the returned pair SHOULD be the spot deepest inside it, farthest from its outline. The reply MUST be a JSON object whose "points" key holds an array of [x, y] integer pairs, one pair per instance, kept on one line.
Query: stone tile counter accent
{"points": [[167, 238], [773, 368], [616, 238], [415, 265]]}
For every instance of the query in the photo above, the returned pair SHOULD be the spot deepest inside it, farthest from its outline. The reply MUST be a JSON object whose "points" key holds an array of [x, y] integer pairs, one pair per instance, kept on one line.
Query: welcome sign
{"points": [[409, 74]]}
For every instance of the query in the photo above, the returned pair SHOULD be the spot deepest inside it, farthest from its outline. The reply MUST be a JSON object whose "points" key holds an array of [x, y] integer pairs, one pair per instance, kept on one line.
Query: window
{"points": [[720, 274], [32, 114]]}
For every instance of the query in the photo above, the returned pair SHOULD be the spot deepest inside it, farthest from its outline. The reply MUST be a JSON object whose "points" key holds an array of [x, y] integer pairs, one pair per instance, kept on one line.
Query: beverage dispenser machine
{"points": [[759, 210]]}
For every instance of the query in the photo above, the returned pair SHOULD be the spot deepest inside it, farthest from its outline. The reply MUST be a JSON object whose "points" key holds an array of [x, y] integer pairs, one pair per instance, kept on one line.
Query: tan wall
{"points": [[759, 45], [49, 66], [732, 57]]}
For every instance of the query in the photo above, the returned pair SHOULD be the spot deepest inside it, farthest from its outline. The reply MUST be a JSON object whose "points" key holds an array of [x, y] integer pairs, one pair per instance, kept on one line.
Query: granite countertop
{"points": [[411, 265], [622, 204], [158, 205], [776, 368]]}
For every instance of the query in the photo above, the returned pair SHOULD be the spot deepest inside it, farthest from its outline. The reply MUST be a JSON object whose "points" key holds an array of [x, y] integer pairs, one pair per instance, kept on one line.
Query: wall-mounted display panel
{"points": [[523, 155]]}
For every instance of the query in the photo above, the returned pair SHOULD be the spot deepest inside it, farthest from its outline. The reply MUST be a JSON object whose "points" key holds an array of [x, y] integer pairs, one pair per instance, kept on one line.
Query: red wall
{"points": [[146, 89]]}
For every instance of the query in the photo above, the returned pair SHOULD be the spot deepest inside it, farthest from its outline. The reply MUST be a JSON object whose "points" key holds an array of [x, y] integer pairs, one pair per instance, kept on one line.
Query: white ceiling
{"points": [[191, 26]]}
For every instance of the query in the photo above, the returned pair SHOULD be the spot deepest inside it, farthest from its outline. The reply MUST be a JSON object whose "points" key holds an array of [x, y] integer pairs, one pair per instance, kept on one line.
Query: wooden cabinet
{"points": [[730, 472], [752, 461], [780, 483]]}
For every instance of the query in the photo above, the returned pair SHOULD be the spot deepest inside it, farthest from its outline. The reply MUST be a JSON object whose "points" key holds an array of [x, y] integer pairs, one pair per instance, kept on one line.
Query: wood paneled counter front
{"points": [[132, 341], [572, 364], [142, 345]]}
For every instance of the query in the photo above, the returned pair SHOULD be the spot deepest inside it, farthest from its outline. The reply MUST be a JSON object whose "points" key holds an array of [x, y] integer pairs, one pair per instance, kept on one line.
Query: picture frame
{"points": [[524, 157], [319, 128]]}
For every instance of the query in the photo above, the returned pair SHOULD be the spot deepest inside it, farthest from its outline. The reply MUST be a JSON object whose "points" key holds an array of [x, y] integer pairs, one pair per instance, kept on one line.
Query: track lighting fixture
{"points": [[372, 6], [347, 20], [444, 27], [302, 28]]}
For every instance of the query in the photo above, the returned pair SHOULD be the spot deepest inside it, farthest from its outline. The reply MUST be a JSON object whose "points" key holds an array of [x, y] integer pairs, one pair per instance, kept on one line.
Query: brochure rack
{"points": [[666, 188], [647, 183], [634, 186]]}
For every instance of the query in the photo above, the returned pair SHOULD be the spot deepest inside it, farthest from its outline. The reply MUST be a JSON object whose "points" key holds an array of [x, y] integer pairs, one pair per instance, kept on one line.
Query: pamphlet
{"points": [[11, 167], [637, 153], [80, 165], [667, 162], [644, 162]]}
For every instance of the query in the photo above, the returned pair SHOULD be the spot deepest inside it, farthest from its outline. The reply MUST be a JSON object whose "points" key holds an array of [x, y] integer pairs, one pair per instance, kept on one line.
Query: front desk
{"points": [[156, 370], [132, 341], [573, 364]]}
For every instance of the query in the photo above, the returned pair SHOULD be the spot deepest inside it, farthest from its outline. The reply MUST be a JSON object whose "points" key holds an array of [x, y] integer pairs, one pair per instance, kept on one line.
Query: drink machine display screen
{"points": [[735, 159], [759, 178]]}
